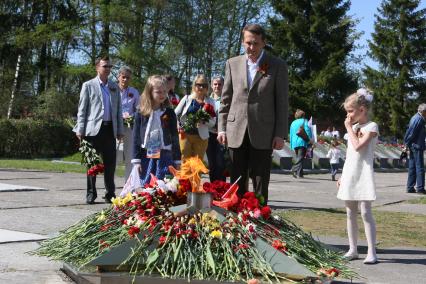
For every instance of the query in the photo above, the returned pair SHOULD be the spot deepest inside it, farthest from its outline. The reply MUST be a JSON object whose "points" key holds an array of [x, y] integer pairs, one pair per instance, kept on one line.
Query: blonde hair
{"points": [[200, 77], [299, 113], [361, 98], [146, 100]]}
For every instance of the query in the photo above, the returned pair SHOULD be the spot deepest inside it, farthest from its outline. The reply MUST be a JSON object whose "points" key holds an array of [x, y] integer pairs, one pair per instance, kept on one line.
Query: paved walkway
{"points": [[54, 201]]}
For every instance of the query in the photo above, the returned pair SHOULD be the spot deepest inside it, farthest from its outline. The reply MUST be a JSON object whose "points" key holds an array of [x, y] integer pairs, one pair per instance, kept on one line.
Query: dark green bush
{"points": [[28, 138]]}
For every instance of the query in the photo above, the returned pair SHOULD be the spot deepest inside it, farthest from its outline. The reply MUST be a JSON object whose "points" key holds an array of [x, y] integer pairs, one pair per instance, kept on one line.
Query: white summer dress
{"points": [[357, 180]]}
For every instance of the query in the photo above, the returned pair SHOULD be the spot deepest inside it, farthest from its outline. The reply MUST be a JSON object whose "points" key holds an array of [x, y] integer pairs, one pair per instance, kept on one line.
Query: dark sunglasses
{"points": [[106, 66], [201, 85]]}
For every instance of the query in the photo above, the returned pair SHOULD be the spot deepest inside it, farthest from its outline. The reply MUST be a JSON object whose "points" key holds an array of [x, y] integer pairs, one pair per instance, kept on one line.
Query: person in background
{"points": [[414, 140], [193, 142], [171, 85], [215, 151], [328, 132], [335, 133], [297, 143], [155, 135], [129, 102], [334, 155], [100, 122]]}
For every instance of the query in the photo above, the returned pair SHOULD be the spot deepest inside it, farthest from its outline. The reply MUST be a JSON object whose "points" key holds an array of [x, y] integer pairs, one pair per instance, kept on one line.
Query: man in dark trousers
{"points": [[254, 110], [100, 122], [414, 139]]}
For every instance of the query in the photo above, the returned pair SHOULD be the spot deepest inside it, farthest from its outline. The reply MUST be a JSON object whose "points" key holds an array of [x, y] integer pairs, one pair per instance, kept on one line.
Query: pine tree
{"points": [[316, 38], [399, 46]]}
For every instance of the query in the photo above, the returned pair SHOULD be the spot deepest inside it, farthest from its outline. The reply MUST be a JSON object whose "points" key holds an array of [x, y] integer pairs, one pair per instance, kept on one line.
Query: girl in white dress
{"points": [[356, 185]]}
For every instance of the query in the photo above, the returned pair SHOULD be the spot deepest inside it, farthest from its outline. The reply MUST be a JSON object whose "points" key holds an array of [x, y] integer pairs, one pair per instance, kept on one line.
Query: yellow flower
{"points": [[118, 201], [216, 234], [101, 217]]}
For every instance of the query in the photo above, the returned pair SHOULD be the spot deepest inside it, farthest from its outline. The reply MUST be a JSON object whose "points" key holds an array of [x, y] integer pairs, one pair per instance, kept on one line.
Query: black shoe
{"points": [[411, 190], [108, 199], [90, 198], [421, 191], [333, 178]]}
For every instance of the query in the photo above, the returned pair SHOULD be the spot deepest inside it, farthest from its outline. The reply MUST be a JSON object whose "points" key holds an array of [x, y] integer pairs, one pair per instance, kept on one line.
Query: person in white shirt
{"points": [[335, 133], [334, 155], [328, 132]]}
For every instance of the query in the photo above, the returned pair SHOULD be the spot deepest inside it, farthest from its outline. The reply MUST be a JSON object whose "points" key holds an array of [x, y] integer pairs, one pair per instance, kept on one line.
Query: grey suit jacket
{"points": [[91, 109], [262, 109]]}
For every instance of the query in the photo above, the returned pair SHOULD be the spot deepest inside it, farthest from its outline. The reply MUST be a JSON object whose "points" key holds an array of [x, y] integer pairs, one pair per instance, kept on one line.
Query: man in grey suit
{"points": [[254, 111], [100, 122]]}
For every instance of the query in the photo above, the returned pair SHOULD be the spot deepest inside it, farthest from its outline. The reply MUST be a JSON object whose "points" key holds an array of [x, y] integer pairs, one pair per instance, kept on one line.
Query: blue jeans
{"points": [[334, 169], [416, 170]]}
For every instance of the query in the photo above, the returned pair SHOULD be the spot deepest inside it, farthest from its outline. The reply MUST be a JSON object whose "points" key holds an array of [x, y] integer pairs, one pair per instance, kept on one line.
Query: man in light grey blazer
{"points": [[253, 116], [100, 122]]}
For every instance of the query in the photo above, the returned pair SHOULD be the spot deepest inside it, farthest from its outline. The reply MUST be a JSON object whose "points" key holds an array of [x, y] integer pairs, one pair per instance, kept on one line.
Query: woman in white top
{"points": [[193, 141], [356, 185]]}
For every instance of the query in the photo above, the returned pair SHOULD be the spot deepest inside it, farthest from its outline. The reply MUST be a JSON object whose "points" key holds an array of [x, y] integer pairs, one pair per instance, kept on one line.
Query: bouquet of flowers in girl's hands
{"points": [[204, 114], [128, 119], [90, 158]]}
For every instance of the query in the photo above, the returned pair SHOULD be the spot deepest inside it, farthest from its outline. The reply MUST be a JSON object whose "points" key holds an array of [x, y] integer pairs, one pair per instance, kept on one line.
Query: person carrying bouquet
{"points": [[155, 136], [129, 102], [196, 115]]}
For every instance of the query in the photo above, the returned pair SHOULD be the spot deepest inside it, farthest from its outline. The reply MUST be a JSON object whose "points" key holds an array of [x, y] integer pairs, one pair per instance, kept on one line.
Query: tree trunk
{"points": [[105, 29], [43, 59], [93, 52], [210, 46], [14, 87]]}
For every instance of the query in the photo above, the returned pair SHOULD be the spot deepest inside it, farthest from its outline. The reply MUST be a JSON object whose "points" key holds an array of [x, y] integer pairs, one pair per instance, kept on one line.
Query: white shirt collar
{"points": [[249, 62], [100, 82]]}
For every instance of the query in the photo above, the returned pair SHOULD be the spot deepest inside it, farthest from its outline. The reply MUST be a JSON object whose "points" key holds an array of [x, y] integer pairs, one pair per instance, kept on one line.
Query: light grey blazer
{"points": [[91, 109], [262, 108], [182, 109]]}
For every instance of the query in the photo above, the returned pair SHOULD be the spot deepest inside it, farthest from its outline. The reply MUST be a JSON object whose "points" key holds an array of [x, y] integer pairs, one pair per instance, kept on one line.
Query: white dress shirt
{"points": [[252, 68]]}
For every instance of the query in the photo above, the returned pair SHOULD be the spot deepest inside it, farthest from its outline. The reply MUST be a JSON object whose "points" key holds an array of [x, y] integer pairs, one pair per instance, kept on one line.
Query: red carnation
{"points": [[249, 195], [209, 109], [133, 231], [265, 212], [208, 187], [279, 245], [130, 95], [162, 240], [174, 101], [186, 184]]}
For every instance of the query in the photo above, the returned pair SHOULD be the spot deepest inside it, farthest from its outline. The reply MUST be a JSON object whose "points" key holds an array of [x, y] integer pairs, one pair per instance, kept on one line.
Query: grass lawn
{"points": [[49, 166], [393, 228], [421, 200]]}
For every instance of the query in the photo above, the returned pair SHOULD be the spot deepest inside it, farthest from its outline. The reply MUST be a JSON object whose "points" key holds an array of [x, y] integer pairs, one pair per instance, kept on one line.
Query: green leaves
{"points": [[153, 256], [209, 258], [316, 39], [399, 46]]}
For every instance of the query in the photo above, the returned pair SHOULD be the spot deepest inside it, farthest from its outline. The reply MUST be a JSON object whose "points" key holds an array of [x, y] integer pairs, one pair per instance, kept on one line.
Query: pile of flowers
{"points": [[203, 115], [192, 246], [90, 158]]}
